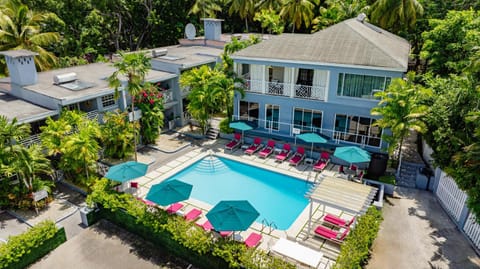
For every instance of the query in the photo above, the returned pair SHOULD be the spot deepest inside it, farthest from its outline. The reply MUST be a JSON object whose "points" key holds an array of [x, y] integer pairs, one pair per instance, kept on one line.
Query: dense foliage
{"points": [[26, 248], [117, 135], [355, 251], [181, 238], [150, 102]]}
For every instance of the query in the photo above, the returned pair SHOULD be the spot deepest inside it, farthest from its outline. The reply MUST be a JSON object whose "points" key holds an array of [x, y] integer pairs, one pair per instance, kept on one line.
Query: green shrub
{"points": [[355, 251], [26, 248], [225, 126], [183, 239], [390, 179]]}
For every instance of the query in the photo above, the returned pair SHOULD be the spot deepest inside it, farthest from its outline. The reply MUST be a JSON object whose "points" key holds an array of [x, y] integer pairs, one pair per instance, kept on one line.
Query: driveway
{"points": [[107, 246], [9, 226], [417, 233]]}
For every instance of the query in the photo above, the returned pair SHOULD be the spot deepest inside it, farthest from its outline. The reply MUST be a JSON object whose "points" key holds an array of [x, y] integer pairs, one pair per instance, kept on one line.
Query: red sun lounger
{"points": [[337, 221], [298, 156], [174, 208], [193, 214], [266, 151], [283, 155], [257, 144], [253, 240], [331, 235], [234, 143]]}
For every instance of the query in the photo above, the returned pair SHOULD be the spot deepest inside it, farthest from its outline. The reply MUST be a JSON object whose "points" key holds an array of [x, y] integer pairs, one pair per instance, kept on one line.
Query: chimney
{"points": [[212, 28], [21, 66]]}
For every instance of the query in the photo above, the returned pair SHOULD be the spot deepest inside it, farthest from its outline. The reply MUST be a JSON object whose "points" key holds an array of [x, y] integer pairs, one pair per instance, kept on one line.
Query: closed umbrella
{"points": [[126, 171], [232, 215], [352, 154], [169, 192], [312, 138], [240, 125]]}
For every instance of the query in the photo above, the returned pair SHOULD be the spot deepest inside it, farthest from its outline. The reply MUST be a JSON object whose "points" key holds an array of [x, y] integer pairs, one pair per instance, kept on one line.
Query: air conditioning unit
{"points": [[64, 78], [159, 52]]}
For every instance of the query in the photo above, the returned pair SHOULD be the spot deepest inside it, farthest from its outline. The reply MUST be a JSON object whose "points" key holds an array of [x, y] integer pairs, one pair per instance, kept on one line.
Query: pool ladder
{"points": [[271, 226]]}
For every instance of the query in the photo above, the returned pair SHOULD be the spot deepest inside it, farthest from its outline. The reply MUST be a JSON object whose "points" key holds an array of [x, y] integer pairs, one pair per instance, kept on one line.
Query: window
{"points": [[272, 115], [108, 100], [358, 130], [245, 69], [361, 86], [305, 77], [307, 120], [249, 111]]}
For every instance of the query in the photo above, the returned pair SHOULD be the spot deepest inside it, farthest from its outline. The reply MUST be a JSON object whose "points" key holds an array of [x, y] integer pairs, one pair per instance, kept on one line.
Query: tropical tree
{"points": [[299, 12], [452, 42], [401, 111], [396, 15], [117, 135], [134, 66], [22, 28], [52, 135], [206, 8], [273, 5], [206, 96], [11, 132], [244, 8], [80, 150], [150, 102], [269, 20], [337, 11]]}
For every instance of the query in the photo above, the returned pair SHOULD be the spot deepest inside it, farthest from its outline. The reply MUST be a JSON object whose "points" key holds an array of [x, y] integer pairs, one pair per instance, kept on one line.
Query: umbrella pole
{"points": [[311, 151]]}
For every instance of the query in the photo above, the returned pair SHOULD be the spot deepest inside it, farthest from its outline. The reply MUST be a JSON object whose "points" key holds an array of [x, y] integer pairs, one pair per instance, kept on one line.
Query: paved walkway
{"points": [[106, 246], [417, 233]]}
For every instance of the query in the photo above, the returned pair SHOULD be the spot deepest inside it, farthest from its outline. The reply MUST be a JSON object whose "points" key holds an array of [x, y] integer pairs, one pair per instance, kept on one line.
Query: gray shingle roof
{"points": [[350, 42]]}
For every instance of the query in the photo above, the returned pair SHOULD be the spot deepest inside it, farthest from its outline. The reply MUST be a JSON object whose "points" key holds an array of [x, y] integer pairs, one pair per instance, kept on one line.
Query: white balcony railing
{"points": [[285, 89]]}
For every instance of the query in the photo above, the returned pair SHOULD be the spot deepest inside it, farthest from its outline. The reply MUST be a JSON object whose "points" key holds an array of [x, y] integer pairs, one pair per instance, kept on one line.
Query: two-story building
{"points": [[323, 82]]}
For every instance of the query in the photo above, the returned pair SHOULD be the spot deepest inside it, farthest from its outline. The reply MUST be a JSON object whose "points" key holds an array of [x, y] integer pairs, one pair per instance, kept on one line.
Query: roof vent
{"points": [[64, 78], [159, 52], [361, 17]]}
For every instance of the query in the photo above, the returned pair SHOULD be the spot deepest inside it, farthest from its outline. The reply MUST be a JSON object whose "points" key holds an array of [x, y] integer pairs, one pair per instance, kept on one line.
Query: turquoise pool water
{"points": [[278, 198]]}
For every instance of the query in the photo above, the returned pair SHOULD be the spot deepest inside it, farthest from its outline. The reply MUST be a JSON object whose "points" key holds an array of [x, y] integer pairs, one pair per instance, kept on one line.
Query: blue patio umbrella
{"points": [[240, 125], [126, 171], [352, 154], [312, 138], [232, 215], [169, 192]]}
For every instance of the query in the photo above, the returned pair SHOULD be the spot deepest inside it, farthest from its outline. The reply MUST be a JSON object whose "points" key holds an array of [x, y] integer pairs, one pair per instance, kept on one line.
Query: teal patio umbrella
{"points": [[169, 192], [232, 215], [352, 154], [126, 171], [240, 125], [312, 138]]}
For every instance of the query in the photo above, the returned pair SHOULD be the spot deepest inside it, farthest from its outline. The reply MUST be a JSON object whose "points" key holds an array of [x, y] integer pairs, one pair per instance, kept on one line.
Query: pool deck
{"points": [[298, 231]]}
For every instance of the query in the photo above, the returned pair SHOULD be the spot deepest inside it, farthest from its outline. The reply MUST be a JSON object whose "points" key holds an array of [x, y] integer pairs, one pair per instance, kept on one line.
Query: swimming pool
{"points": [[278, 198]]}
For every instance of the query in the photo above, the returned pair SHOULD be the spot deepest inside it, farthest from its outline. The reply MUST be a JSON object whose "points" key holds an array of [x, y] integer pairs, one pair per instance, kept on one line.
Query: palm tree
{"points": [[269, 4], [53, 134], [401, 111], [244, 8], [337, 11], [12, 132], [21, 28], [396, 15], [299, 12], [117, 135], [206, 7], [134, 66], [28, 164], [206, 96]]}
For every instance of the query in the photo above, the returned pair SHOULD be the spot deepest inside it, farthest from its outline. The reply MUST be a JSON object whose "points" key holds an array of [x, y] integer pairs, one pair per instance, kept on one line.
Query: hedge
{"points": [[183, 239], [355, 251], [28, 247]]}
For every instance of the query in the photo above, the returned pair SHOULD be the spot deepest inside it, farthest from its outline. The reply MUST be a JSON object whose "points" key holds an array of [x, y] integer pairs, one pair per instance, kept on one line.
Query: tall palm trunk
{"points": [[400, 157], [134, 130], [246, 23]]}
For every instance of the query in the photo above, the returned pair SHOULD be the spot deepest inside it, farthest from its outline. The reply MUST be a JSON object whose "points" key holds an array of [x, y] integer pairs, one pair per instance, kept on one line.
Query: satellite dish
{"points": [[190, 31]]}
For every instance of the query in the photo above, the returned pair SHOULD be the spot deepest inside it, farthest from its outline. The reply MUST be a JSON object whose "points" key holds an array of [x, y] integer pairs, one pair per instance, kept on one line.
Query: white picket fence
{"points": [[472, 230], [452, 198]]}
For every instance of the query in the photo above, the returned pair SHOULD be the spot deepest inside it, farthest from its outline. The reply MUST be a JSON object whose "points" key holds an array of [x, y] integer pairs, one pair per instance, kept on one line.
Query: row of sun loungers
{"points": [[338, 230], [252, 240]]}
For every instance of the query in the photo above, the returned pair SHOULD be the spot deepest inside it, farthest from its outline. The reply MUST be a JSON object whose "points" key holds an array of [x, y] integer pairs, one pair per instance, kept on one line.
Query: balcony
{"points": [[167, 96], [285, 89]]}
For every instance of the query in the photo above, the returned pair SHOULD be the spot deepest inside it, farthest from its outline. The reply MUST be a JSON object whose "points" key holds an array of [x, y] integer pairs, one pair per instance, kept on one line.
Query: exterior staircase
{"points": [[212, 133], [408, 174]]}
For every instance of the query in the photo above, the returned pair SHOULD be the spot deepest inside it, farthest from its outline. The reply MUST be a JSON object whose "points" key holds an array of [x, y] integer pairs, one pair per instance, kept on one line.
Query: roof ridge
{"points": [[380, 31]]}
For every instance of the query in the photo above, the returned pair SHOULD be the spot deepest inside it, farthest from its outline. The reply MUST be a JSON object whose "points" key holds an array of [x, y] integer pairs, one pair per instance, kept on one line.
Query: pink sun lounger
{"points": [[257, 144], [298, 156], [253, 240], [193, 214], [266, 151], [331, 235], [322, 163], [174, 208], [337, 221], [283, 155], [234, 143]]}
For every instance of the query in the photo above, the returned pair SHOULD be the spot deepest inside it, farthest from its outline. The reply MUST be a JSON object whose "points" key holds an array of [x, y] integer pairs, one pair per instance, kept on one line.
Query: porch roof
{"points": [[351, 43], [96, 73], [342, 194], [25, 112]]}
